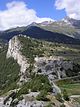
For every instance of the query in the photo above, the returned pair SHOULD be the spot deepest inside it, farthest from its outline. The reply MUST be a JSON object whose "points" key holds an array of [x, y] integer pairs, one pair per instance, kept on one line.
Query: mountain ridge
{"points": [[63, 31], [39, 33]]}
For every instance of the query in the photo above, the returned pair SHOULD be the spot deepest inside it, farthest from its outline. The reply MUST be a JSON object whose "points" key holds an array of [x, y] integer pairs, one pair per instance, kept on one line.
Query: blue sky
{"points": [[14, 13], [43, 8], [46, 9]]}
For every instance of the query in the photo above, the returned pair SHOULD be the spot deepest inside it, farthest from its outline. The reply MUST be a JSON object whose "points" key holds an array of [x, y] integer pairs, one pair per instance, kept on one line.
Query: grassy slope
{"points": [[65, 29], [33, 47], [71, 88], [71, 85]]}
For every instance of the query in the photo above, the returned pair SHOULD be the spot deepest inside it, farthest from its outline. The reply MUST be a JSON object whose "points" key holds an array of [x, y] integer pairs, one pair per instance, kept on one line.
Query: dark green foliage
{"points": [[65, 95], [74, 72], [9, 73], [49, 105], [62, 105], [31, 48], [40, 82], [23, 90], [59, 97], [42, 96], [37, 83]]}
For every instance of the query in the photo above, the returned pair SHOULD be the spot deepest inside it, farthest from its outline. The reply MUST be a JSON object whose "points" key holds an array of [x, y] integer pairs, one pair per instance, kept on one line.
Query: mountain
{"points": [[32, 67], [75, 23], [40, 65], [67, 26], [46, 32]]}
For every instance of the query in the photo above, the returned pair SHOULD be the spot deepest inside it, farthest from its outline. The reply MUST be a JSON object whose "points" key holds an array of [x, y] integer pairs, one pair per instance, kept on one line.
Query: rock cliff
{"points": [[14, 51], [54, 67]]}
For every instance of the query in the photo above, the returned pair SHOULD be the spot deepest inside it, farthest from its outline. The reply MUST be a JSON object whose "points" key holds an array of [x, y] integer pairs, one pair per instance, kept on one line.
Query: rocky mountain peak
{"points": [[45, 23], [73, 22]]}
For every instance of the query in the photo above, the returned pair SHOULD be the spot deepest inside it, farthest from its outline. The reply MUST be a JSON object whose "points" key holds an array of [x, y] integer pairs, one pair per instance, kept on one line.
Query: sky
{"points": [[15, 13], [42, 8]]}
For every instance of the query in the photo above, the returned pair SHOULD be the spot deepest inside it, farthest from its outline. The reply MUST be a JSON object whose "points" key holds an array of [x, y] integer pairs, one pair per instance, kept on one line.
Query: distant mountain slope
{"points": [[39, 33], [68, 26], [73, 22]]}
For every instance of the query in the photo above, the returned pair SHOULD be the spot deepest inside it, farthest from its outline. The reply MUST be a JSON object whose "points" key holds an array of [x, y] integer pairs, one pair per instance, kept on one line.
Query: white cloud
{"points": [[72, 7], [17, 14]]}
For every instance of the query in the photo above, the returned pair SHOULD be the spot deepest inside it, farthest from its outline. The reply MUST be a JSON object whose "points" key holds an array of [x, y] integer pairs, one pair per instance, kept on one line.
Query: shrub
{"points": [[62, 105], [49, 105], [42, 96], [23, 90], [40, 82], [9, 73], [59, 97], [37, 83], [65, 95]]}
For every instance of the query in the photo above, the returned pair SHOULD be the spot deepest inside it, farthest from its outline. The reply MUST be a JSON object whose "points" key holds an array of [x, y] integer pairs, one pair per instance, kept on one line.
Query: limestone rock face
{"points": [[32, 104], [14, 51], [54, 67]]}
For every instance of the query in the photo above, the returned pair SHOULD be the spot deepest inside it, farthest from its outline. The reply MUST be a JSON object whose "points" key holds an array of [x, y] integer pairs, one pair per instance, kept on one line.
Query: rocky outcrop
{"points": [[54, 67], [32, 104], [5, 101], [14, 51]]}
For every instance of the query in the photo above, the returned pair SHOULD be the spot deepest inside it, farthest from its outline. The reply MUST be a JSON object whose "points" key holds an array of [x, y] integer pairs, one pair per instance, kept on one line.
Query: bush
{"points": [[59, 97], [9, 73], [49, 105], [42, 96], [62, 105], [65, 95], [23, 90], [37, 83], [40, 82]]}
